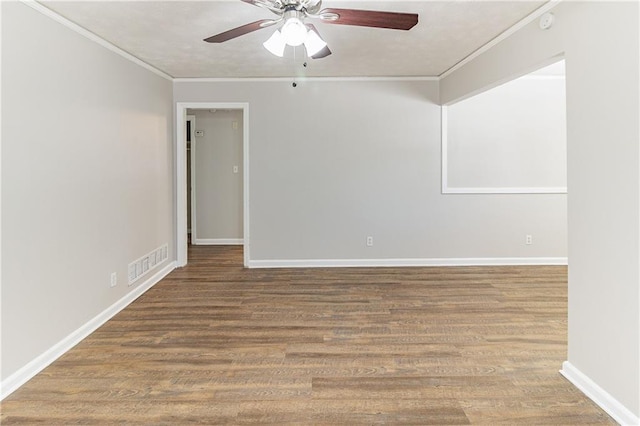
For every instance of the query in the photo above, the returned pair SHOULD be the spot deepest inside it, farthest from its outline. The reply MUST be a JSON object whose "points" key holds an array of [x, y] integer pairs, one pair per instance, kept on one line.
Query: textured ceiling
{"points": [[168, 35]]}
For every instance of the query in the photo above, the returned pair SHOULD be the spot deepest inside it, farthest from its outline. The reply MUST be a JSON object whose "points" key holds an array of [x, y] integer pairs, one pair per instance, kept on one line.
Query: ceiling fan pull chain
{"points": [[294, 66]]}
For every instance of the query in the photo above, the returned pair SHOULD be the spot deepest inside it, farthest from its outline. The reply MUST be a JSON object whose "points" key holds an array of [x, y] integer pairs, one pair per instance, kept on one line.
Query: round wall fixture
{"points": [[546, 21]]}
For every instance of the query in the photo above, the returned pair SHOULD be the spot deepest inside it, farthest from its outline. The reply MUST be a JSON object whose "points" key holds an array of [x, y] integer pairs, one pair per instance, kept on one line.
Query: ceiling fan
{"points": [[295, 31]]}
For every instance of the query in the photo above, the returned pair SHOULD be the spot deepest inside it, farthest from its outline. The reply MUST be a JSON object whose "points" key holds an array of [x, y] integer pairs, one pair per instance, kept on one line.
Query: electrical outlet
{"points": [[114, 279], [369, 241], [528, 240]]}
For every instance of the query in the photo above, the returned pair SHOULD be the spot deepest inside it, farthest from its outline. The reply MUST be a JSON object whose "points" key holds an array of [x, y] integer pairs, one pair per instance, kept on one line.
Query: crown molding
{"points": [[110, 46], [289, 79], [93, 37], [502, 36]]}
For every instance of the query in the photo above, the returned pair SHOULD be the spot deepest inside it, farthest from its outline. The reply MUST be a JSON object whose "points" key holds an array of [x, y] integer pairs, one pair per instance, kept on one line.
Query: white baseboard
{"points": [[24, 374], [598, 395], [337, 263], [524, 190], [218, 241]]}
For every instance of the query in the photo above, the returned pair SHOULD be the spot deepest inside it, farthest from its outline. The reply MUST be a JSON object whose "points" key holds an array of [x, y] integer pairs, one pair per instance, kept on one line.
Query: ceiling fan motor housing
{"points": [[310, 5], [294, 31]]}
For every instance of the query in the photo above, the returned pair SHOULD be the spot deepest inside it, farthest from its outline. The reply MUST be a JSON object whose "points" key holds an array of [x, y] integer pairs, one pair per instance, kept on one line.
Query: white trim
{"points": [[91, 36], [601, 397], [444, 153], [245, 183], [541, 77], [298, 79], [446, 189], [181, 172], [502, 36], [181, 188], [20, 377], [1, 384], [342, 263], [218, 241], [192, 194], [523, 190]]}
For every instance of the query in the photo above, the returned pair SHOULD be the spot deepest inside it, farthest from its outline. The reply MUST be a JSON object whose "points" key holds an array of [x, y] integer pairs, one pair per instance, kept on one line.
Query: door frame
{"points": [[192, 157], [181, 174]]}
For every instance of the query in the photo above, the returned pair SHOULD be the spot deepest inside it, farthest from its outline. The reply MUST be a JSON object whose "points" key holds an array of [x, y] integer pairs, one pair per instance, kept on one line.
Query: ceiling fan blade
{"points": [[325, 51], [239, 31], [370, 18], [322, 54]]}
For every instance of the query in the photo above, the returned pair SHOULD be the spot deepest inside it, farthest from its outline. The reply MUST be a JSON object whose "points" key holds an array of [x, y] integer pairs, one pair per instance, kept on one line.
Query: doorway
{"points": [[183, 192], [214, 177], [189, 134]]}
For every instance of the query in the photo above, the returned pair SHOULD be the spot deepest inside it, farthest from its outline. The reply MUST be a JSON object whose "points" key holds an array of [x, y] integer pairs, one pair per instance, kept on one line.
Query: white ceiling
{"points": [[168, 35]]}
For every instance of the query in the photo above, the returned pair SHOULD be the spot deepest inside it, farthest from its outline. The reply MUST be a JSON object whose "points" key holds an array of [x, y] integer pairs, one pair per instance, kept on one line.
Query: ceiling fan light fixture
{"points": [[294, 32], [314, 43], [275, 44]]}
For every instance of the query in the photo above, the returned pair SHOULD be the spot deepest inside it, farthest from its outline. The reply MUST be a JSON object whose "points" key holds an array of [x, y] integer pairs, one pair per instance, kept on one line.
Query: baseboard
{"points": [[218, 241], [598, 395], [344, 263], [523, 190], [24, 374]]}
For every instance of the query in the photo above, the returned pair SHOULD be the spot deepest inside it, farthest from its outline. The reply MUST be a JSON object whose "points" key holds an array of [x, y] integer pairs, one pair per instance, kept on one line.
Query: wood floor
{"points": [[215, 343]]}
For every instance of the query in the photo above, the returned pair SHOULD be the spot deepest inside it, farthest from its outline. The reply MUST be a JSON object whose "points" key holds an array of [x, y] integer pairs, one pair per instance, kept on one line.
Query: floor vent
{"points": [[147, 263]]}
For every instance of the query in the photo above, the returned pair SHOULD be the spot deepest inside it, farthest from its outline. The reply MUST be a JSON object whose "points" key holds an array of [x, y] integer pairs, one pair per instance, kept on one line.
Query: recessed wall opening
{"points": [[508, 139]]}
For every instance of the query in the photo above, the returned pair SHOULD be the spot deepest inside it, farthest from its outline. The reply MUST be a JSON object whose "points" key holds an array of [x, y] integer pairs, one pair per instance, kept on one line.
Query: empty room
{"points": [[306, 212]]}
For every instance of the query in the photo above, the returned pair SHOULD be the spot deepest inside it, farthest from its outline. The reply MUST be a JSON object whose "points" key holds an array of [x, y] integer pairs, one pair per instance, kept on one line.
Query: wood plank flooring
{"points": [[215, 343]]}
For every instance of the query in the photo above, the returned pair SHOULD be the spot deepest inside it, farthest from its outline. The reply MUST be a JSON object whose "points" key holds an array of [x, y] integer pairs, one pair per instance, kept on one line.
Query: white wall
{"points": [[333, 162], [509, 138], [218, 189], [600, 44], [87, 180]]}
